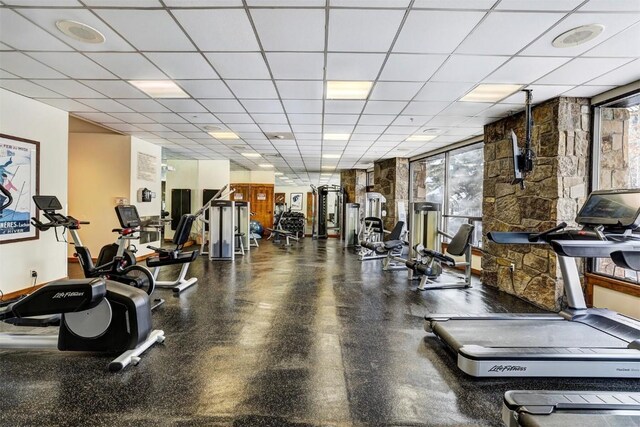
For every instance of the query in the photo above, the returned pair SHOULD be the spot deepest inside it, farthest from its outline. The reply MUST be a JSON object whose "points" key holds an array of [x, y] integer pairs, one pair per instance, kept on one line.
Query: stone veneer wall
{"points": [[354, 182], [614, 150], [554, 191], [391, 178]]}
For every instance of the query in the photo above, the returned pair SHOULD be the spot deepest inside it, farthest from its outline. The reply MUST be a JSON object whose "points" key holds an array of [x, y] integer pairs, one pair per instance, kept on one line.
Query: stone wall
{"points": [[354, 182], [391, 178], [614, 149], [554, 191]]}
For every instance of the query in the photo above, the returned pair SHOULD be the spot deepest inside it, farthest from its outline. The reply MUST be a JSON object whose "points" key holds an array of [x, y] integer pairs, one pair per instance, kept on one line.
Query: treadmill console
{"points": [[613, 209], [47, 203], [128, 216]]}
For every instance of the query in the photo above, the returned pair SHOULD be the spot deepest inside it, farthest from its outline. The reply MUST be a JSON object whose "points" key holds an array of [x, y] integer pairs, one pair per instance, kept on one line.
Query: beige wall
{"points": [[99, 171], [617, 301], [25, 118], [253, 177]]}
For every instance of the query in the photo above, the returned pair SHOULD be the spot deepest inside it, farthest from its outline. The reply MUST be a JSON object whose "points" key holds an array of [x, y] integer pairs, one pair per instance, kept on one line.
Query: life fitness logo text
{"points": [[68, 295], [507, 368]]}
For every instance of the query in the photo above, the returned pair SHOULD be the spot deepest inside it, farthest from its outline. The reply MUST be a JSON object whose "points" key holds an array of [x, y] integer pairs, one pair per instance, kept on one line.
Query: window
{"points": [[616, 160], [454, 179], [370, 179]]}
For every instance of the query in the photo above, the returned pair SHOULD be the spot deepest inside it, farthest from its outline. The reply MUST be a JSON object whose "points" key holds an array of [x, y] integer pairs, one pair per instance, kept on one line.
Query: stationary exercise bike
{"points": [[115, 261], [94, 315]]}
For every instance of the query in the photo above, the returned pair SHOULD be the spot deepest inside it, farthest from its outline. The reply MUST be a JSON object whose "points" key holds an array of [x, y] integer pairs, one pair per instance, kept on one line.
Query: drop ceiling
{"points": [[256, 67]]}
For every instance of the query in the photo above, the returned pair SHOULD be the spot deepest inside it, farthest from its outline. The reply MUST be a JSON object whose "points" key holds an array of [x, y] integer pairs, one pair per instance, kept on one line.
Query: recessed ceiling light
{"points": [[79, 31], [577, 36], [421, 137], [328, 167], [251, 155], [326, 174], [331, 156], [336, 136], [265, 165], [348, 90], [278, 174], [490, 92], [224, 135], [159, 88]]}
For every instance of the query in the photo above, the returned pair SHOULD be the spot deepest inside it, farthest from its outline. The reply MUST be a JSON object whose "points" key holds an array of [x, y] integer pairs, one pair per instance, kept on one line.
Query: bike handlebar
{"points": [[538, 236]]}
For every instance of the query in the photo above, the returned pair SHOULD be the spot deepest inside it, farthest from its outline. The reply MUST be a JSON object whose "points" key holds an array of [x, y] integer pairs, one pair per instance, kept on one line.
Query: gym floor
{"points": [[299, 336]]}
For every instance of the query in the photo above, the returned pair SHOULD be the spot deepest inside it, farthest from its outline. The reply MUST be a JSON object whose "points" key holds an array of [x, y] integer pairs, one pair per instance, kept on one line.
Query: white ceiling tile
{"points": [[464, 109], [517, 29], [581, 70], [23, 35], [376, 119], [123, 3], [613, 22], [41, 2], [626, 74], [384, 107], [468, 68], [182, 127], [291, 89], [67, 105], [199, 118], [253, 89], [123, 127], [361, 30], [308, 66], [69, 88], [165, 117], [353, 66], [28, 89], [144, 105], [408, 67], [340, 119], [245, 127], [262, 105], [337, 129], [286, 3], [153, 127], [525, 69], [612, 5], [5, 47], [114, 88], [183, 105], [343, 107], [303, 106], [268, 127], [501, 110], [183, 65], [411, 120], [130, 66], [47, 18], [243, 65], [99, 117], [623, 44], [235, 118], [203, 3], [218, 29], [147, 29], [306, 128], [427, 108], [222, 105], [587, 91], [73, 64], [457, 4], [540, 93], [290, 29], [435, 31], [370, 3], [395, 91], [439, 91], [22, 66], [106, 105], [132, 117], [305, 119], [445, 121], [563, 5], [205, 88], [369, 129]]}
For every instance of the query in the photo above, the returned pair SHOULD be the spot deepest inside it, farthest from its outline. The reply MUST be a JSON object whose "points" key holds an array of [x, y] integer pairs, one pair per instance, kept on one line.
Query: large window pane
{"points": [[428, 179], [619, 164], [464, 186]]}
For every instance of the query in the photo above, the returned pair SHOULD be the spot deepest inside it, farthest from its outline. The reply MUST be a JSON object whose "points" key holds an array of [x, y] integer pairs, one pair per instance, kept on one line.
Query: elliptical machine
{"points": [[119, 266], [95, 315]]}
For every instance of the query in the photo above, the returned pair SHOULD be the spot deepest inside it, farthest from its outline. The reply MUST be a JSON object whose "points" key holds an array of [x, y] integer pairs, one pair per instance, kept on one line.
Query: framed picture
{"points": [[296, 201], [19, 173]]}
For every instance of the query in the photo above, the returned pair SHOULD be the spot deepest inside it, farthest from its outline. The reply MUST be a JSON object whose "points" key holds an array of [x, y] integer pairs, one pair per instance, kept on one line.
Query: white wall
{"points": [[145, 208], [289, 189], [26, 118], [212, 174], [253, 177]]}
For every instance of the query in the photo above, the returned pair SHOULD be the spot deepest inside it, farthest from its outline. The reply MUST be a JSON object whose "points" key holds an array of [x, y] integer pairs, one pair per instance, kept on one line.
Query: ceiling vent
{"points": [[578, 36], [279, 136], [81, 32]]}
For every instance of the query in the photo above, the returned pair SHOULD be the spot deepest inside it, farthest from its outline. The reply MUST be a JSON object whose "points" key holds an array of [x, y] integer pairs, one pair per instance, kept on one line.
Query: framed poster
{"points": [[19, 173], [296, 201]]}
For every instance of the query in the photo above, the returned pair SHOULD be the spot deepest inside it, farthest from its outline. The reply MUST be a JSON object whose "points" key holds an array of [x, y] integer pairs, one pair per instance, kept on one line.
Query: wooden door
{"points": [[242, 192], [309, 207], [262, 203]]}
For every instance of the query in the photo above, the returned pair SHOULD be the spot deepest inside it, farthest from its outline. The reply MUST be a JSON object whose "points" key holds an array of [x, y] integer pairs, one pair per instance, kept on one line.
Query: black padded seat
{"points": [[180, 258]]}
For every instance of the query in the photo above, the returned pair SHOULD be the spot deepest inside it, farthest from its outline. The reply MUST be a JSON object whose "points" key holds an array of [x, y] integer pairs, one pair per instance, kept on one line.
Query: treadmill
{"points": [[578, 341]]}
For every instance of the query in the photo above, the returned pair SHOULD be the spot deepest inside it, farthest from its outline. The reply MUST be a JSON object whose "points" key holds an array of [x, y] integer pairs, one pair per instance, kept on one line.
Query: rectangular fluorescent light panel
{"points": [[224, 135], [328, 167], [421, 138], [279, 173], [331, 156], [336, 136], [159, 88], [251, 155], [265, 165], [348, 90], [490, 92]]}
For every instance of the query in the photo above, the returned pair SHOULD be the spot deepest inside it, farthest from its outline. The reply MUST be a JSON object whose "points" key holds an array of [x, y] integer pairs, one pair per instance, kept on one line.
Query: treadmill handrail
{"points": [[592, 248]]}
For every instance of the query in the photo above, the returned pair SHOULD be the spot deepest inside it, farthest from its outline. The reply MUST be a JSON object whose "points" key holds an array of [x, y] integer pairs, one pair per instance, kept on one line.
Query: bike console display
{"points": [[47, 203], [612, 209], [128, 216]]}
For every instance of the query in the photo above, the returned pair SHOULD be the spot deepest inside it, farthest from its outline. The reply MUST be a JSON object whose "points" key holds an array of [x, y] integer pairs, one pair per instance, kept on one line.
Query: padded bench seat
{"points": [[180, 258]]}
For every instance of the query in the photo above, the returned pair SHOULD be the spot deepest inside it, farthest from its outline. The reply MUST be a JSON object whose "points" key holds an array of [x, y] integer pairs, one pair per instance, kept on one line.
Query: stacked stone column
{"points": [[354, 182], [391, 178]]}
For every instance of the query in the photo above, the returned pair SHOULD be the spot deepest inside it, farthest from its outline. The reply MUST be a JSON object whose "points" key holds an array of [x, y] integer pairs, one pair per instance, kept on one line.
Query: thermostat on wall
{"points": [[121, 201]]}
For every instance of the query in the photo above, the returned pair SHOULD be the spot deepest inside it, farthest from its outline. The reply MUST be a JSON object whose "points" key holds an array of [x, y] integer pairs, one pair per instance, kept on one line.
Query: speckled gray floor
{"points": [[302, 336]]}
